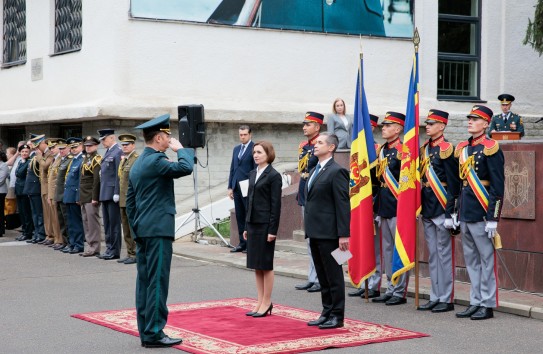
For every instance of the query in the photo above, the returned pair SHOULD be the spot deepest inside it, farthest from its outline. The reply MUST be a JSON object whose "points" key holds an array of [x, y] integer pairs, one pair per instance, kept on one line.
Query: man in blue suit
{"points": [[109, 194], [33, 189], [150, 207], [71, 198], [242, 163]]}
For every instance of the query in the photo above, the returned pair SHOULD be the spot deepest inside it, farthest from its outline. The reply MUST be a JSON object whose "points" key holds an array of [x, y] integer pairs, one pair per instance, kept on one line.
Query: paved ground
{"points": [[41, 288]]}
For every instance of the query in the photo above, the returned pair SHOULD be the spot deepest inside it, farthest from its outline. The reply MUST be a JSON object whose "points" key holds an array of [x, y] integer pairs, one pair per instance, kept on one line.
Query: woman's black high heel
{"points": [[265, 313], [250, 313]]}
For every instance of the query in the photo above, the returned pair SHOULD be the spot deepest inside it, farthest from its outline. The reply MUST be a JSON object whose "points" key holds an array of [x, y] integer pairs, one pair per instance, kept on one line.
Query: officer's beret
{"points": [[24, 146]]}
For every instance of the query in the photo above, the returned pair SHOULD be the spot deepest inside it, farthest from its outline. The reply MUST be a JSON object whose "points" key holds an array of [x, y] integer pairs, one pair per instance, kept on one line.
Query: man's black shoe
{"points": [[76, 250], [382, 298], [467, 312], [237, 249], [396, 300], [130, 261], [332, 322], [428, 306], [315, 288], [318, 321], [66, 250], [122, 260], [163, 343], [305, 286], [371, 294], [443, 307], [110, 257], [483, 313], [357, 292]]}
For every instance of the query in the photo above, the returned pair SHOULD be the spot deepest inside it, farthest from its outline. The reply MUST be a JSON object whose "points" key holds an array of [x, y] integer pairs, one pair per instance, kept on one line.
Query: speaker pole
{"points": [[196, 211]]}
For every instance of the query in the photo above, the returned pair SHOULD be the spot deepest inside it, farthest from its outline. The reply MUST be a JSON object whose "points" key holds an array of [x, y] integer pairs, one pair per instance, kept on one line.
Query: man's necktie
{"points": [[317, 169], [505, 119], [241, 151]]}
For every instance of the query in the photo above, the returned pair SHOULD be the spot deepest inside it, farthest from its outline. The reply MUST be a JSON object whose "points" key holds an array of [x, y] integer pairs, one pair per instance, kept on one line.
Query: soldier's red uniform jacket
{"points": [[306, 162], [388, 156], [486, 159], [438, 154]]}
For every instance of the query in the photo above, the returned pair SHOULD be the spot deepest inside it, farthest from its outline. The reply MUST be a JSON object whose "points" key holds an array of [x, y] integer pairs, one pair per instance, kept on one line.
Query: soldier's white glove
{"points": [[448, 224], [116, 198], [378, 220], [455, 221], [491, 227]]}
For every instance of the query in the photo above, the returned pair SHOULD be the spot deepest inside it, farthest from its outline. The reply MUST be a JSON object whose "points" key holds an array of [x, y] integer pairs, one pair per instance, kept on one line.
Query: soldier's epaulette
{"points": [[445, 150], [70, 156], [422, 150], [302, 144], [399, 148], [459, 148], [378, 149], [98, 158], [491, 146]]}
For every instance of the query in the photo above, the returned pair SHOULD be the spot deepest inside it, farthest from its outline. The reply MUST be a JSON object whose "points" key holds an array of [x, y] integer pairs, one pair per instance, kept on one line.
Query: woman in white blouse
{"points": [[341, 124]]}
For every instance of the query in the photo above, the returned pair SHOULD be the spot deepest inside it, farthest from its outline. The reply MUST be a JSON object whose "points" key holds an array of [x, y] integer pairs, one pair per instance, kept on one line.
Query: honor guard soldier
{"points": [[480, 202], [128, 145], [374, 281], [507, 121], [388, 172], [109, 194], [45, 158], [62, 211], [33, 189], [440, 187], [71, 198], [58, 231], [150, 206], [306, 162], [89, 194]]}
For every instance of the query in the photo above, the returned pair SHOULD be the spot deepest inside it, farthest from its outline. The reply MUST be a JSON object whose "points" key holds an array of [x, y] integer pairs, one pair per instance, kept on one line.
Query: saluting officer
{"points": [[71, 198], [388, 172], [150, 206], [440, 187], [89, 193], [62, 211], [128, 145], [482, 173], [51, 192], [33, 189], [507, 121], [306, 162]]}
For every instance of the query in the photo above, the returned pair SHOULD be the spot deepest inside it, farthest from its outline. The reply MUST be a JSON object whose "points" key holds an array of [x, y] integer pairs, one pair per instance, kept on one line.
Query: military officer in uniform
{"points": [[388, 172], [440, 187], [33, 189], [51, 192], [89, 193], [306, 162], [71, 198], [23, 202], [45, 158], [109, 194], [507, 121], [128, 145], [481, 195], [150, 206], [62, 211]]}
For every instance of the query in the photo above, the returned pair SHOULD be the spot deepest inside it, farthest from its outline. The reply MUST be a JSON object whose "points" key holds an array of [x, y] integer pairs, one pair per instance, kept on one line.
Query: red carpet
{"points": [[221, 327]]}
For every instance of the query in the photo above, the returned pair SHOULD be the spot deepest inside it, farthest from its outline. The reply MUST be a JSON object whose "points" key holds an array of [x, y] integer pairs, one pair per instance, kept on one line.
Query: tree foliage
{"points": [[534, 32]]}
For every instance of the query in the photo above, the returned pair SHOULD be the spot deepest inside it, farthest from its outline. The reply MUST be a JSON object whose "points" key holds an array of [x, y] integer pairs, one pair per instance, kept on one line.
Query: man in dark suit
{"points": [[71, 198], [33, 189], [242, 163], [109, 194], [150, 206], [327, 225]]}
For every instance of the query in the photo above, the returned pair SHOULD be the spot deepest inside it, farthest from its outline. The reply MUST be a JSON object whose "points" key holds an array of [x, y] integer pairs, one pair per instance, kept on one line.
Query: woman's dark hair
{"points": [[268, 149], [3, 156]]}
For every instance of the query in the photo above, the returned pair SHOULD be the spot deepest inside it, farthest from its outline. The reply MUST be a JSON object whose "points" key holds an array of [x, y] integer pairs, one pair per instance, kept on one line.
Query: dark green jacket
{"points": [[499, 125], [150, 200]]}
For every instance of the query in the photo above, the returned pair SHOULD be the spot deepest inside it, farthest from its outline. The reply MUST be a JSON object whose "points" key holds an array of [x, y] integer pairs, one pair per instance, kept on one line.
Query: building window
{"points": [[70, 131], [68, 26], [12, 136], [459, 54], [14, 33]]}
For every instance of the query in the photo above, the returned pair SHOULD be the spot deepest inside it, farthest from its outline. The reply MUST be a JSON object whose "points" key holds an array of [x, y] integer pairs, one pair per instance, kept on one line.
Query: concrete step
{"points": [[291, 246]]}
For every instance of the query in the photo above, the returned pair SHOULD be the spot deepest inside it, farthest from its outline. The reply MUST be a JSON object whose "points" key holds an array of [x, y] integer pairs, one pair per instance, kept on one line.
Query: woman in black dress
{"points": [[263, 212]]}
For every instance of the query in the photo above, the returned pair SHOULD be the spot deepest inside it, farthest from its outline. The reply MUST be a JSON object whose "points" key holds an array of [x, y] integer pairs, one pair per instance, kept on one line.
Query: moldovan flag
{"points": [[363, 157], [403, 258]]}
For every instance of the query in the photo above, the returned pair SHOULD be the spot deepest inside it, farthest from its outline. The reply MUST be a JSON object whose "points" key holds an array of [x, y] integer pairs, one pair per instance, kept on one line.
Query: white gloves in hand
{"points": [[116, 198], [378, 220], [448, 224], [455, 221], [491, 227]]}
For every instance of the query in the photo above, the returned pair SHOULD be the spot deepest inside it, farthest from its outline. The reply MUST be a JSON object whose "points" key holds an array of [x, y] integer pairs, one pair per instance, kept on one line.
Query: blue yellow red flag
{"points": [[403, 258], [363, 157]]}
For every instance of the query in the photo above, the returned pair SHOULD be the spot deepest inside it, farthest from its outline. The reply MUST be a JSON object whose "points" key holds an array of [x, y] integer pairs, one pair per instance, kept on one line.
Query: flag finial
{"points": [[416, 39]]}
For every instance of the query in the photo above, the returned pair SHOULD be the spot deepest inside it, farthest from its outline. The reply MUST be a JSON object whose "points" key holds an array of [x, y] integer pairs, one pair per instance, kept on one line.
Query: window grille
{"points": [[14, 51], [68, 26]]}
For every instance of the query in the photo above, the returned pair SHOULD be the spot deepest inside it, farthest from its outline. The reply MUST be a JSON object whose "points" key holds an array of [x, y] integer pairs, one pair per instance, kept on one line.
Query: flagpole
{"points": [[416, 41]]}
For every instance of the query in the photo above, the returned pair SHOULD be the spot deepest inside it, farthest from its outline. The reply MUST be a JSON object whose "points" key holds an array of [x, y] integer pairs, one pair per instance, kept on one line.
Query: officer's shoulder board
{"points": [[97, 158], [459, 148], [491, 146], [70, 156], [302, 144], [445, 150]]}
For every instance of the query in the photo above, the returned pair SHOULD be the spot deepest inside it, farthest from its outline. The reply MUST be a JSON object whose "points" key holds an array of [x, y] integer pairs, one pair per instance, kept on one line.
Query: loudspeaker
{"points": [[192, 129]]}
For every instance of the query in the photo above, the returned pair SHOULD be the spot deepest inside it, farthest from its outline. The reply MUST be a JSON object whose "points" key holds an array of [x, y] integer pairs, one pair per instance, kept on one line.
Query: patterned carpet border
{"points": [[355, 333]]}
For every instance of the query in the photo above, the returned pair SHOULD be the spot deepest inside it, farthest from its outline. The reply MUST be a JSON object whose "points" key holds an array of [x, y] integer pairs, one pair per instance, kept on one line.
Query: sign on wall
{"points": [[387, 18]]}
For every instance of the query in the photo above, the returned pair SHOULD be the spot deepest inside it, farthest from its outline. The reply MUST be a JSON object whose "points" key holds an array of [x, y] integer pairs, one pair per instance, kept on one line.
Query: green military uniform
{"points": [[150, 205], [124, 172], [502, 122]]}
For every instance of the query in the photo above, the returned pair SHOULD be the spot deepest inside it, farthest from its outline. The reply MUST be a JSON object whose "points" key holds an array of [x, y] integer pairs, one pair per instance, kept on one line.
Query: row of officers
{"points": [[462, 190], [61, 185]]}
